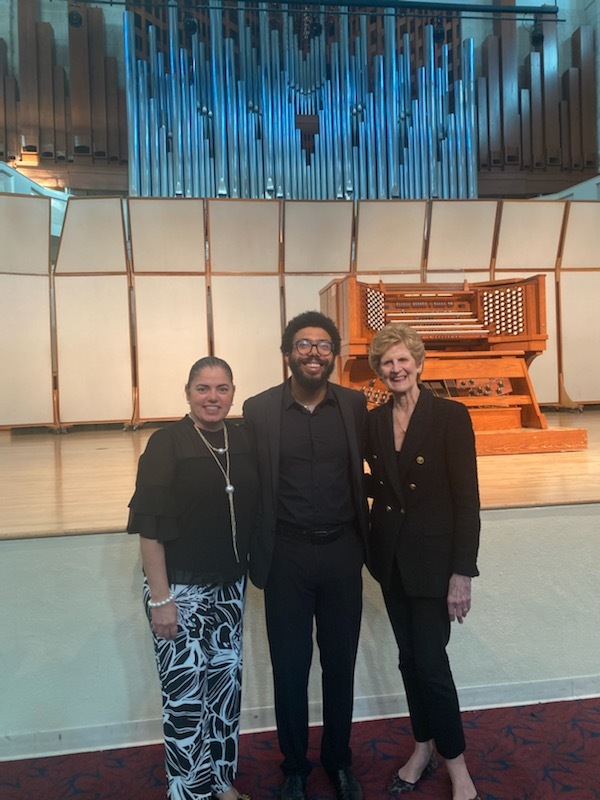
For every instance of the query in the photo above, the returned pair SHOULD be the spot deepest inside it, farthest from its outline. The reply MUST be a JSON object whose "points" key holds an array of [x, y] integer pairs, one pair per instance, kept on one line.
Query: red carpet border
{"points": [[539, 752]]}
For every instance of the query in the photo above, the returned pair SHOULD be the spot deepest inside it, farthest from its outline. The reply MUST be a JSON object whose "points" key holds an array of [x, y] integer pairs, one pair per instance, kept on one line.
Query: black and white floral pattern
{"points": [[200, 676]]}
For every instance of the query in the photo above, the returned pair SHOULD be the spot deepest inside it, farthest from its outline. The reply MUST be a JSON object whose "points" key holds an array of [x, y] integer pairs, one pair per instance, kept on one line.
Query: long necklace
{"points": [[229, 488]]}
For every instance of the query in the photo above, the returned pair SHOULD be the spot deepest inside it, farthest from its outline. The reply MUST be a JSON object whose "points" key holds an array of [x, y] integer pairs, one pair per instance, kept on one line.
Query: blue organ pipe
{"points": [[211, 125]]}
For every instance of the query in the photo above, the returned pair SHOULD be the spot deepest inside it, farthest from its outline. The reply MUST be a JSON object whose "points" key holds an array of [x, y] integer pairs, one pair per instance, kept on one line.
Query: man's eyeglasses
{"points": [[305, 346]]}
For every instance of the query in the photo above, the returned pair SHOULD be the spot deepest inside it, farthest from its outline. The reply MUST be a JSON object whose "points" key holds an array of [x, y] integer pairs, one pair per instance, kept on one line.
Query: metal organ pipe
{"points": [[219, 123]]}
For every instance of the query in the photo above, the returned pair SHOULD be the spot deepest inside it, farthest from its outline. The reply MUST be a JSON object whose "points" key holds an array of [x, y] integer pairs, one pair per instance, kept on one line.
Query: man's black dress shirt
{"points": [[314, 480]]}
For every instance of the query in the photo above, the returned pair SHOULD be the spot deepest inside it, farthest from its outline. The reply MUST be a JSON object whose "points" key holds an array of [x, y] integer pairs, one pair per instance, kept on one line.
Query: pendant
{"points": [[220, 450], [229, 489]]}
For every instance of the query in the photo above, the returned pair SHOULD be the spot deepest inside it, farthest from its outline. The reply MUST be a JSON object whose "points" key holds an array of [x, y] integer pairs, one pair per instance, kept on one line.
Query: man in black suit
{"points": [[309, 550]]}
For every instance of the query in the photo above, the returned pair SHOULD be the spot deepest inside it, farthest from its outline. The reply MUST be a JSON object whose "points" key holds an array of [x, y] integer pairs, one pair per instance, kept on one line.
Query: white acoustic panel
{"points": [[389, 278], [93, 349], [461, 234], [26, 351], [243, 235], [171, 334], [544, 368], [247, 332], [167, 234], [581, 249], [390, 235], [24, 235], [529, 235], [458, 276], [302, 293], [317, 236], [93, 237], [580, 325]]}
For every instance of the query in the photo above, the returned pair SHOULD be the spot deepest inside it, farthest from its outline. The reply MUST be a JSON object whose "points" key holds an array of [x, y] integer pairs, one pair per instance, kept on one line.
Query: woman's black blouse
{"points": [[180, 500]]}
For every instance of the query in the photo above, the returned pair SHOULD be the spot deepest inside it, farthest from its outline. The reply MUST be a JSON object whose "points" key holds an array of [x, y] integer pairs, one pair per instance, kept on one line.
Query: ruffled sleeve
{"points": [[153, 507]]}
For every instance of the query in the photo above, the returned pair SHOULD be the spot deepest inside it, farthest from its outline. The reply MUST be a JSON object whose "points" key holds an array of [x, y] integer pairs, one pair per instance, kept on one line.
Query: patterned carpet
{"points": [[541, 752]]}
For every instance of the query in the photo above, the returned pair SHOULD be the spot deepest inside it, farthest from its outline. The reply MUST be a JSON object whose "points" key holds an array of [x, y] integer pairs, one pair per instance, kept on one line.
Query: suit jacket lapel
{"points": [[350, 426], [272, 432]]}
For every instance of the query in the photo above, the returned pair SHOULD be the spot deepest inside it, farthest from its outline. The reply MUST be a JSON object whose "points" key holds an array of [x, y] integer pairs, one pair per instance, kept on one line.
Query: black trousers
{"points": [[422, 629], [320, 582]]}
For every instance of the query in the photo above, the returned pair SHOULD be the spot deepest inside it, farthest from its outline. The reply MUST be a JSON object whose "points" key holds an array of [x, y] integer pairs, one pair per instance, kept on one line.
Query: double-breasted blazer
{"points": [[263, 416], [425, 511]]}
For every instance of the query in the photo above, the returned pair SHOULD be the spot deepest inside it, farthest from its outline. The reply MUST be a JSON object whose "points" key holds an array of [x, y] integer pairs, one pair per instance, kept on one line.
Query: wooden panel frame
{"points": [[529, 235], [580, 331], [461, 235], [26, 353], [29, 251], [244, 235], [171, 334], [581, 245], [93, 347], [390, 235], [167, 235], [93, 237], [317, 236]]}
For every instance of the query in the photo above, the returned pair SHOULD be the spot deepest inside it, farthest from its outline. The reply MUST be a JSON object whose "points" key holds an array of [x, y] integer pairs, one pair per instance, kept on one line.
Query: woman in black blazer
{"points": [[423, 544]]}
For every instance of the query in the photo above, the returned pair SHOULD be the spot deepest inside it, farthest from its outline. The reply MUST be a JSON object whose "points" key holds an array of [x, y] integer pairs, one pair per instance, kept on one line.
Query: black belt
{"points": [[312, 535]]}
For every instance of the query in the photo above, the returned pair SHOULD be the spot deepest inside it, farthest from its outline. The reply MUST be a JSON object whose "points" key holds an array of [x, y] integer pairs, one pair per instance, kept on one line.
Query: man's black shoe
{"points": [[294, 787], [345, 784]]}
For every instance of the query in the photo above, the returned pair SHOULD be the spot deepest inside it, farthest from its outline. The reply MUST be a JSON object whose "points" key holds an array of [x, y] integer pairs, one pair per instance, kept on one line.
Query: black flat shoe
{"points": [[399, 785]]}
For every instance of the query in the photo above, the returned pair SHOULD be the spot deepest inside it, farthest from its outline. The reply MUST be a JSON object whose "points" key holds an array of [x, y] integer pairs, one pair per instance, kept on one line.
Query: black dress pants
{"points": [[321, 582], [422, 629]]}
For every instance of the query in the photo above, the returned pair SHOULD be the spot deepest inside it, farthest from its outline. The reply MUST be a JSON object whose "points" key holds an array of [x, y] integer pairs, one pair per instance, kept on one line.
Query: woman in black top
{"points": [[423, 545], [194, 508]]}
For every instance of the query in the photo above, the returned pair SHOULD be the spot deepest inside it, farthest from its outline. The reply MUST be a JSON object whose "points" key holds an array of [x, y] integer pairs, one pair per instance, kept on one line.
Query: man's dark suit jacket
{"points": [[425, 509], [263, 416]]}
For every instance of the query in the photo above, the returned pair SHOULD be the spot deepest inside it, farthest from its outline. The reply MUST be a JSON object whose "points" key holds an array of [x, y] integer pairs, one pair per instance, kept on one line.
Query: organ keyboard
{"points": [[480, 340]]}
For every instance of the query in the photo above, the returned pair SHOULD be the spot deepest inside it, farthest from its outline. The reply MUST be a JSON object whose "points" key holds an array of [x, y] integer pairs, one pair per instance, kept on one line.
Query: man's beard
{"points": [[310, 382]]}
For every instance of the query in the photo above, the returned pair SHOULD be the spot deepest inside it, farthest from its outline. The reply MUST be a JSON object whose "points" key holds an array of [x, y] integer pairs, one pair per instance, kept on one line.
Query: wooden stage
{"points": [[81, 481]]}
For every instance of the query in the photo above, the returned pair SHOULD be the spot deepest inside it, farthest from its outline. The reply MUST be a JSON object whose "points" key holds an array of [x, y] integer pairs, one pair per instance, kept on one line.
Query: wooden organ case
{"points": [[480, 340]]}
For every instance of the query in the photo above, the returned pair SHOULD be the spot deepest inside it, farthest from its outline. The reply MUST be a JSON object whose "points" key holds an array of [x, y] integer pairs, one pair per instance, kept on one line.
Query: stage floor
{"points": [[81, 481]]}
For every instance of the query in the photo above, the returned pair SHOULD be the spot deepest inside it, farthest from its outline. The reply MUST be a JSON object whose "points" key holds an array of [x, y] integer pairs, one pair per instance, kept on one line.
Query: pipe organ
{"points": [[480, 339], [210, 121]]}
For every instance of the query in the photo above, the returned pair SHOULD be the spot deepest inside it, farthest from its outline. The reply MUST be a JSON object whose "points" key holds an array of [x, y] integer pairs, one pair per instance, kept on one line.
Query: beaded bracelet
{"points": [[160, 603]]}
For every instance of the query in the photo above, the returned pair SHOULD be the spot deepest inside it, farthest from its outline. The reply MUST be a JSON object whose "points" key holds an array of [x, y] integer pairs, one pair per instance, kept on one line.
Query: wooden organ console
{"points": [[480, 340]]}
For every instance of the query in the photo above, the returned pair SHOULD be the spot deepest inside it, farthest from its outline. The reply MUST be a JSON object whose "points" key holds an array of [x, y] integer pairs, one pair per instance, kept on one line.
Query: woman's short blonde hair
{"points": [[395, 333]]}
